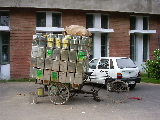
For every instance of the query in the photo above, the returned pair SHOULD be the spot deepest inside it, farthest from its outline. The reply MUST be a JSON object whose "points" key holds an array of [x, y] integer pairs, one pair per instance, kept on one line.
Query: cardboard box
{"points": [[71, 66], [64, 55], [34, 51], [74, 43], [48, 63], [55, 65], [56, 54], [78, 78], [73, 55], [62, 77], [33, 72], [40, 63], [33, 62], [70, 78], [42, 41], [65, 43], [47, 75], [63, 66], [79, 67], [50, 40], [41, 52]]}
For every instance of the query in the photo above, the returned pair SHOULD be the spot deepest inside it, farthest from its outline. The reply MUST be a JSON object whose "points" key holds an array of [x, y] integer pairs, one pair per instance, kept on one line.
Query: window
{"points": [[56, 19], [125, 63], [4, 18], [145, 47], [132, 22], [104, 21], [133, 47], [92, 48], [4, 47], [89, 20], [93, 63], [145, 23], [104, 44], [41, 19], [104, 64]]}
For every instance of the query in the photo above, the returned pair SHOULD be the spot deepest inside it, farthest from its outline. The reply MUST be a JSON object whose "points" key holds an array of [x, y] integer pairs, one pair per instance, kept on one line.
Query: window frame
{"points": [[92, 47], [1, 46], [39, 21], [145, 23], [105, 45], [133, 47], [132, 22], [1, 14], [60, 19], [104, 26], [145, 47], [90, 23]]}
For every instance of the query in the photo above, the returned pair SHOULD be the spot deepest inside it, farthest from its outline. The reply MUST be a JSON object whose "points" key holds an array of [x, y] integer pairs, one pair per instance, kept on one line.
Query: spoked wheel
{"points": [[117, 91], [59, 94], [72, 92]]}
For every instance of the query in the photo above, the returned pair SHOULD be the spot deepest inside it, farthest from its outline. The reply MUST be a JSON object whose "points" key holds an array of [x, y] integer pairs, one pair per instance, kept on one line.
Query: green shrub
{"points": [[152, 67]]}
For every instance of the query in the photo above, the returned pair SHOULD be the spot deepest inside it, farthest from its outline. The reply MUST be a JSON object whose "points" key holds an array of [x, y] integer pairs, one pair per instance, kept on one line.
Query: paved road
{"points": [[14, 105]]}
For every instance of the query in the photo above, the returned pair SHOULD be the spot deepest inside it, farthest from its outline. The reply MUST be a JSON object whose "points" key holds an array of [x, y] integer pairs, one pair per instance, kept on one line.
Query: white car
{"points": [[116, 68]]}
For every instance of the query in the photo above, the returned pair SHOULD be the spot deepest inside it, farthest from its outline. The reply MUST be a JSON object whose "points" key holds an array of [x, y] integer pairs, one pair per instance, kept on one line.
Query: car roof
{"points": [[110, 57]]}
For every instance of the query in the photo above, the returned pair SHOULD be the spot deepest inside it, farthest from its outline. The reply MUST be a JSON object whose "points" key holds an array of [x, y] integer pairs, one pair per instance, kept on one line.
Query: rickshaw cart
{"points": [[60, 63]]}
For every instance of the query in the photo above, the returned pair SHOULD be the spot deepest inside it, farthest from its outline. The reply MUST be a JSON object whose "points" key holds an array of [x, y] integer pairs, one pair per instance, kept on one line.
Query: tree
{"points": [[152, 67]]}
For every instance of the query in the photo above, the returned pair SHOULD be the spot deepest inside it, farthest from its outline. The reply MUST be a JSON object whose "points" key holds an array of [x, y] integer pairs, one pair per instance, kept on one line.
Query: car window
{"points": [[93, 63], [103, 64], [125, 63]]}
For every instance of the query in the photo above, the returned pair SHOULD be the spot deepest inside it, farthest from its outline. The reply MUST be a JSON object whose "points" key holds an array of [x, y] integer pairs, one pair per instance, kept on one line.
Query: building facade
{"points": [[120, 28]]}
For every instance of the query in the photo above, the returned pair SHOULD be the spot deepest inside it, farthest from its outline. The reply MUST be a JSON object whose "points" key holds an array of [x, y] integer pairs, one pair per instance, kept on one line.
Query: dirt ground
{"points": [[15, 104]]}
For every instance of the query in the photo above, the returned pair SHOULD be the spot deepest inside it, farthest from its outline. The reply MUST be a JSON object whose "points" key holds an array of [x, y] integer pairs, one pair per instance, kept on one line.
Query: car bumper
{"points": [[129, 80]]}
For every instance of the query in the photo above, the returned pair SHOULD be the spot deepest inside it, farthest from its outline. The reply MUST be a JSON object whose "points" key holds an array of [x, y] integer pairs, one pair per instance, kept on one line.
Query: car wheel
{"points": [[132, 86]]}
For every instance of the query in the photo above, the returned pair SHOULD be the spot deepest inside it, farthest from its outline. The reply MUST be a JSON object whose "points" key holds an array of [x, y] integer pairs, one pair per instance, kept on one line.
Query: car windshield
{"points": [[93, 63], [125, 63]]}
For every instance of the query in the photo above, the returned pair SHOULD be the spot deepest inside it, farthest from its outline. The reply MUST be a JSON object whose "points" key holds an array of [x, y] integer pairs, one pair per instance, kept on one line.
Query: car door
{"points": [[106, 69], [92, 68], [102, 70]]}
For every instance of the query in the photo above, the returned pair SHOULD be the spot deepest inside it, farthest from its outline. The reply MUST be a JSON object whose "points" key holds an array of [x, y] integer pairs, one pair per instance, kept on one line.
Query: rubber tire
{"points": [[132, 86]]}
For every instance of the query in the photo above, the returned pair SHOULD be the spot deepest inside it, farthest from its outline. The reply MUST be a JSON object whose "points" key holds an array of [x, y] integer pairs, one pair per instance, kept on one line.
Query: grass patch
{"points": [[146, 79], [18, 80]]}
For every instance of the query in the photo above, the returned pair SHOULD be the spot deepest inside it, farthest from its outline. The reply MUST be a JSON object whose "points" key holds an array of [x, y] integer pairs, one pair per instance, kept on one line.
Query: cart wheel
{"points": [[117, 91], [59, 94], [72, 92]]}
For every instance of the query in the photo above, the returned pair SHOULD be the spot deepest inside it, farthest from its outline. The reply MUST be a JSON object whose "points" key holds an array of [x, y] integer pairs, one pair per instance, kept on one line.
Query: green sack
{"points": [[39, 74], [54, 76], [81, 55], [49, 53]]}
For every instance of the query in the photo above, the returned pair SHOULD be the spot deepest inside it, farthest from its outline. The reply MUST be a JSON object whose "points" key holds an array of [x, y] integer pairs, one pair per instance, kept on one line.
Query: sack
{"points": [[77, 30]]}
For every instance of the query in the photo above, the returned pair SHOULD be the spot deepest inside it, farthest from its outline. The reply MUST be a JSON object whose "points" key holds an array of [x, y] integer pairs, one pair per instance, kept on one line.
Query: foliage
{"points": [[18, 80], [144, 78], [152, 67]]}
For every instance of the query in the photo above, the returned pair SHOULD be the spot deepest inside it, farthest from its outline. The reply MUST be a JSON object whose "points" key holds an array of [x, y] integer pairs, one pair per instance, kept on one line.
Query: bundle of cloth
{"points": [[77, 30]]}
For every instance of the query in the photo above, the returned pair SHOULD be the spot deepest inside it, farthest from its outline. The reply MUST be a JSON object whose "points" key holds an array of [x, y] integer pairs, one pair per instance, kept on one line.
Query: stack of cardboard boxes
{"points": [[59, 58]]}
